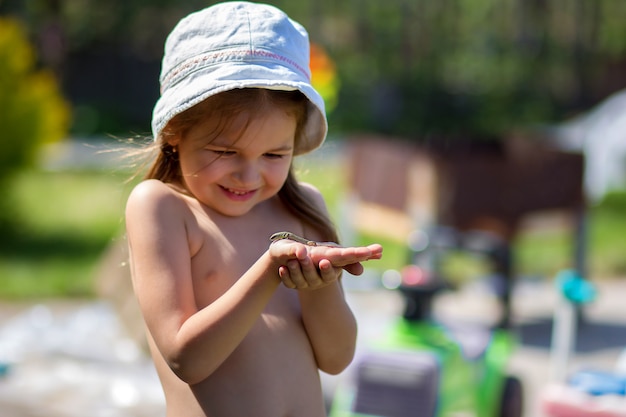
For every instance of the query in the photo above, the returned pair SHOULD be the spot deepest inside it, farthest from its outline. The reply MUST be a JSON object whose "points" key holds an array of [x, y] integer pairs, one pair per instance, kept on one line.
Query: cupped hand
{"points": [[312, 267]]}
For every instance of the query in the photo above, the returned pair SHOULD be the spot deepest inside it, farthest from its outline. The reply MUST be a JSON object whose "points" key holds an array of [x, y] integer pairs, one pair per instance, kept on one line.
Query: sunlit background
{"points": [[505, 116]]}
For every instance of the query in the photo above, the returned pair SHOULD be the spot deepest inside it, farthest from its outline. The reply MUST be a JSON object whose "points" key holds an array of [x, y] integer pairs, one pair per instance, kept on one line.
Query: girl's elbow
{"points": [[336, 364], [335, 368], [189, 371], [182, 371]]}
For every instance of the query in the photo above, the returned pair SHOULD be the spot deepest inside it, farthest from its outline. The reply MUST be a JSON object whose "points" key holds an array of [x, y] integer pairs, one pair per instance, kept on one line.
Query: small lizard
{"points": [[292, 236]]}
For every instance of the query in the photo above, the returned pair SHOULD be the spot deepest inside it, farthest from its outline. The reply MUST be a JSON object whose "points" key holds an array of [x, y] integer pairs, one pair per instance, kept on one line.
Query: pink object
{"points": [[564, 401]]}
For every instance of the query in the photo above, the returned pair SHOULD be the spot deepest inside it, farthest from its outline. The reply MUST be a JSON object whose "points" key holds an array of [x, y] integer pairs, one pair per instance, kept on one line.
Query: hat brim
{"points": [[199, 85]]}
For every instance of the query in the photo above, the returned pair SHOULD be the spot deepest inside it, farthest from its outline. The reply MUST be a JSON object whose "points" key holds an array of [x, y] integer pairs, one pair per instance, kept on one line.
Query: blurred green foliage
{"points": [[412, 68], [476, 67], [63, 223], [33, 109]]}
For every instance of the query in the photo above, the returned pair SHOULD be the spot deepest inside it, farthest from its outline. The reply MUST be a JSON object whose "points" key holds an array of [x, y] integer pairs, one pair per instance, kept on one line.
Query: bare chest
{"points": [[228, 247]]}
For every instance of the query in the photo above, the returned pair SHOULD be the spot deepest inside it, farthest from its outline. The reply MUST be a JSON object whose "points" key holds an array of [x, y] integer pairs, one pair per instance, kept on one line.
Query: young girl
{"points": [[239, 325]]}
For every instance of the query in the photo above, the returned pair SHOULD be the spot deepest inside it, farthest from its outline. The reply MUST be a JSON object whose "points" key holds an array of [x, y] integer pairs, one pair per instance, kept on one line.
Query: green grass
{"points": [[60, 224], [544, 254]]}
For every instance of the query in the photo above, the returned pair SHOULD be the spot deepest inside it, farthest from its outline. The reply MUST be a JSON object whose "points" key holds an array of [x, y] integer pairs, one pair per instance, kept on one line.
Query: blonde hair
{"points": [[223, 106]]}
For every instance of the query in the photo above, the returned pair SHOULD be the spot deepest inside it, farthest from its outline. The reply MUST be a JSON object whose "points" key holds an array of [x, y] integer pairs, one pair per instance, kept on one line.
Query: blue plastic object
{"points": [[574, 287], [4, 369], [598, 383]]}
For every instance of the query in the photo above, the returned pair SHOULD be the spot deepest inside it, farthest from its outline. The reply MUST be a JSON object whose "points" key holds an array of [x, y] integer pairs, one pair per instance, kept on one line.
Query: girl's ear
{"points": [[173, 140]]}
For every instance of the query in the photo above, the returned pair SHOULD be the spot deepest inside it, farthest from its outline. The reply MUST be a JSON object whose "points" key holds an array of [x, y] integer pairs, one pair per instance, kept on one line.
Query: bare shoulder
{"points": [[149, 192], [152, 196], [151, 187]]}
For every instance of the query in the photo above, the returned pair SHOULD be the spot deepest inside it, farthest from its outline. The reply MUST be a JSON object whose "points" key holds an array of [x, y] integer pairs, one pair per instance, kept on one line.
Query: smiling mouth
{"points": [[238, 193]]}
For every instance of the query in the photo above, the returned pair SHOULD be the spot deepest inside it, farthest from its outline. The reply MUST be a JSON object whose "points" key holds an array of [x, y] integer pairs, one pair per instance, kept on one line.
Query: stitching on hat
{"points": [[241, 53]]}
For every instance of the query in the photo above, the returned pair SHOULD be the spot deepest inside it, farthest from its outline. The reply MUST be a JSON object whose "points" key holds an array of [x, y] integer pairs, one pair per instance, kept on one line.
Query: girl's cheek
{"points": [[279, 174], [207, 162]]}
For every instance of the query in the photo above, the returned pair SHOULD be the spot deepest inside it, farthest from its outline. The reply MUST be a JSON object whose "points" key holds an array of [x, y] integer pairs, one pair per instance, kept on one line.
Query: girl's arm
{"points": [[193, 342], [331, 327], [327, 318]]}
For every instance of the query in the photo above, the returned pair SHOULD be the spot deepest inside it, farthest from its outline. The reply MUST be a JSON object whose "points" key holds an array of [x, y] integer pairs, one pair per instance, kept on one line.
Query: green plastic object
{"points": [[467, 386]]}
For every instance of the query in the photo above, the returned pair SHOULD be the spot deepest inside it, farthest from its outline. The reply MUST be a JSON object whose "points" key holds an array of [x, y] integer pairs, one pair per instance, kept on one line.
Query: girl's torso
{"points": [[273, 371]]}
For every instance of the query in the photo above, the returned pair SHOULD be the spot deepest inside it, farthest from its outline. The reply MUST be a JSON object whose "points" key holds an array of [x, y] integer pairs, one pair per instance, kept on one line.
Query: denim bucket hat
{"points": [[237, 45]]}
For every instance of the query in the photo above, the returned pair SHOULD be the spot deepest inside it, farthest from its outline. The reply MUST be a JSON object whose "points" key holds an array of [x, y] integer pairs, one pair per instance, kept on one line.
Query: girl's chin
{"points": [[232, 208]]}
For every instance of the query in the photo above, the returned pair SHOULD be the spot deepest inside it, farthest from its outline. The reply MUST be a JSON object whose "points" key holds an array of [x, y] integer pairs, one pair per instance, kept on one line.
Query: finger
{"points": [[283, 273], [327, 271], [377, 251], [333, 254], [354, 269], [296, 275], [310, 273], [347, 256], [341, 257], [287, 249]]}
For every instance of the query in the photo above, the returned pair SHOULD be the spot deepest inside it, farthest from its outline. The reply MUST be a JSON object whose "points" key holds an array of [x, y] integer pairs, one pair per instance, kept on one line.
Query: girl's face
{"points": [[247, 163]]}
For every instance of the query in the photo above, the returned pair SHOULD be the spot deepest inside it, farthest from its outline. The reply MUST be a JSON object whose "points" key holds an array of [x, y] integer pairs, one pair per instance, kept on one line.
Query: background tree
{"points": [[413, 68], [33, 109]]}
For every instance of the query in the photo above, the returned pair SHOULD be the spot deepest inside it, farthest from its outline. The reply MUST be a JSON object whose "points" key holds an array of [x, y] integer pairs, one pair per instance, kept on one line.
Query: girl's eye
{"points": [[273, 155], [222, 152]]}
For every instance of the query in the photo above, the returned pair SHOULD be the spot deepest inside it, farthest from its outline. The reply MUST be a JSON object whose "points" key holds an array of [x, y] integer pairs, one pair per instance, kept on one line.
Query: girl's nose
{"points": [[247, 172]]}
